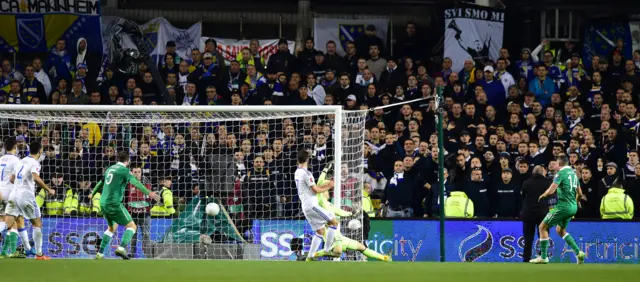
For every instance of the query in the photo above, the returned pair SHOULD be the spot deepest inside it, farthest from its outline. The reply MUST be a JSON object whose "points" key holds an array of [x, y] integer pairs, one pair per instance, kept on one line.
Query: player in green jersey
{"points": [[568, 190], [115, 181]]}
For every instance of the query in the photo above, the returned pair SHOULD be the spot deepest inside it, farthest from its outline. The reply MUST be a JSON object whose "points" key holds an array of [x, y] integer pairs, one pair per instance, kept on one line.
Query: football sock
{"points": [[315, 244], [37, 238], [544, 247], [14, 241], [572, 243], [3, 226], [322, 253], [24, 236], [126, 237], [372, 254], [6, 247], [331, 232], [106, 241]]}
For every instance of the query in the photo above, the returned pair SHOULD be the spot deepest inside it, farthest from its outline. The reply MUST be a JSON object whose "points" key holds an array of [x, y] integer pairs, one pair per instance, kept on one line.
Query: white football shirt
{"points": [[8, 164], [24, 178], [304, 182]]}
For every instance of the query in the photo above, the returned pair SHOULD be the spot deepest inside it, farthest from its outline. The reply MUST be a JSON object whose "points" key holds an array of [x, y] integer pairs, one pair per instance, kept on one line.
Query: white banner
{"points": [[230, 48], [342, 31], [472, 32], [157, 33], [185, 39]]}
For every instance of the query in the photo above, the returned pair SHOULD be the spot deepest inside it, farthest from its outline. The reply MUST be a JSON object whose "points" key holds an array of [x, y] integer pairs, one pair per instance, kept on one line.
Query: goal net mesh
{"points": [[242, 161]]}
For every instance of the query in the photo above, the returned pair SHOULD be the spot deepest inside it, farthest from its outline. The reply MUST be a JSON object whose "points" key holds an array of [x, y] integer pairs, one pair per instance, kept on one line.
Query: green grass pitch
{"points": [[268, 271]]}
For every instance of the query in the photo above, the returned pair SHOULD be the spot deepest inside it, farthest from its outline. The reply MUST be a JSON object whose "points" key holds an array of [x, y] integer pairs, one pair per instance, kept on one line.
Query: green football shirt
{"points": [[567, 182], [114, 183]]}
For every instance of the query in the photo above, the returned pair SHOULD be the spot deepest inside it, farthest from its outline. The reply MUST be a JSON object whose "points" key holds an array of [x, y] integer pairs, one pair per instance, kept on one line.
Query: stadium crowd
{"points": [[502, 119]]}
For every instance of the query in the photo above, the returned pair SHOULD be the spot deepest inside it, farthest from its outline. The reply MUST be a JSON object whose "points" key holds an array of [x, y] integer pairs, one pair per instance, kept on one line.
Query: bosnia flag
{"points": [[40, 32]]}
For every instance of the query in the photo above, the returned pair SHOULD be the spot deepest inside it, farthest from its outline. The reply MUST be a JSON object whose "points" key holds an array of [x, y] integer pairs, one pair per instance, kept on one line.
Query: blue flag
{"points": [[31, 27], [600, 39]]}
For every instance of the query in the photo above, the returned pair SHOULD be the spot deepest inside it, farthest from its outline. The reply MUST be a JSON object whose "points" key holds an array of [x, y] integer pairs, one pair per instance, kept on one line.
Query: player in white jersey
{"points": [[317, 216], [22, 201], [8, 163]]}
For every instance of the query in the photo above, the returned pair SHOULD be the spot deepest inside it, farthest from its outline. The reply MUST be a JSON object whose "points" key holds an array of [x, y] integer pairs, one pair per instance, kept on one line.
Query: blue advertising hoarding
{"points": [[480, 241], [76, 237]]}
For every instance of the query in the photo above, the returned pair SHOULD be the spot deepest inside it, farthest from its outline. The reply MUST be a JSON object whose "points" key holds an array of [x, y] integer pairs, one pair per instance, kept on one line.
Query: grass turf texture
{"points": [[264, 271]]}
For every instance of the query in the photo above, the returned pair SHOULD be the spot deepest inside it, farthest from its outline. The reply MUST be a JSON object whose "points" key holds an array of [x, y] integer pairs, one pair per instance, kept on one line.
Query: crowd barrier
{"points": [[405, 240]]}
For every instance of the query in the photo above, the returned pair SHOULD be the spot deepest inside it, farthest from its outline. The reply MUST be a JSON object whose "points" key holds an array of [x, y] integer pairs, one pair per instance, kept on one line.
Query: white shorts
{"points": [[317, 217], [4, 194], [23, 204]]}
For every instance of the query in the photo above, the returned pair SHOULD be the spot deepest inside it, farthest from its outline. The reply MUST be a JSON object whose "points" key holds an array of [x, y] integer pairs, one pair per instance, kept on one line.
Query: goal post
{"points": [[240, 157]]}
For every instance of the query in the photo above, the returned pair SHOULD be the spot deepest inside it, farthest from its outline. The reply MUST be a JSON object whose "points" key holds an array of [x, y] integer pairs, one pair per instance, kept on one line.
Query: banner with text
{"points": [[342, 31], [472, 32], [480, 241], [601, 39], [76, 237], [230, 48], [36, 26]]}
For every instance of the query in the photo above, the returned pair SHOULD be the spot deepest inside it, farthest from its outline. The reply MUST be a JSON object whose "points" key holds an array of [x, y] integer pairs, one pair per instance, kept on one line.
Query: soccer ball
{"points": [[354, 224], [213, 209]]}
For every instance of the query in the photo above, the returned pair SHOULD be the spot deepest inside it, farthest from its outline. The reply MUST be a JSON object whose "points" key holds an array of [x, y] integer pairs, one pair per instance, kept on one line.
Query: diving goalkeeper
{"points": [[113, 185], [342, 243]]}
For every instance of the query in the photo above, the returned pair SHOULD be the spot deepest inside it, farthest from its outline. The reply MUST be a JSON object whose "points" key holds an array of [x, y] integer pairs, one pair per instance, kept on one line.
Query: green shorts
{"points": [[116, 214], [560, 216]]}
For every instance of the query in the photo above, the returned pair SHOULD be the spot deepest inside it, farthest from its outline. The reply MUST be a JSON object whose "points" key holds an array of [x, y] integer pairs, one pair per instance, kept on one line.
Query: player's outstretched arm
{"points": [[326, 186], [97, 189], [550, 191], [38, 180], [134, 181]]}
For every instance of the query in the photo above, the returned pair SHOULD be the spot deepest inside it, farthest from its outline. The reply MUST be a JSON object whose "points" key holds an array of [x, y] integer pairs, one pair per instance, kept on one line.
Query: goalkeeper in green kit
{"points": [[113, 185], [566, 184]]}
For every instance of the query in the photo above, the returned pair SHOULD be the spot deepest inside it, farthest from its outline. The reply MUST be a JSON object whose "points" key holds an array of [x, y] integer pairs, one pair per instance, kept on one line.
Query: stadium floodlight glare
{"points": [[239, 157]]}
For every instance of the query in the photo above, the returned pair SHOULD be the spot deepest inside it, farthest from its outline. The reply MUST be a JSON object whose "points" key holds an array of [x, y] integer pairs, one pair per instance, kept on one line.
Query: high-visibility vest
{"points": [[367, 205], [616, 205], [458, 205], [165, 206], [54, 206]]}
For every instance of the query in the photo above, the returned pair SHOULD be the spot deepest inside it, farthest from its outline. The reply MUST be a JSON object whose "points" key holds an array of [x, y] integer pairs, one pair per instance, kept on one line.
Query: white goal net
{"points": [[241, 158]]}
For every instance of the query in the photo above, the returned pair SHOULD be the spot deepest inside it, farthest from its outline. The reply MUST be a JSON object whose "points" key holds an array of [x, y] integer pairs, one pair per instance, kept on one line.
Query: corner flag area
{"points": [[270, 271]]}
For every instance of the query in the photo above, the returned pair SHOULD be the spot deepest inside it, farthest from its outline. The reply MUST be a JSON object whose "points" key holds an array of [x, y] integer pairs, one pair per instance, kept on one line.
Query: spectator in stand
{"points": [[411, 45], [282, 61], [542, 87], [352, 58], [31, 87], [333, 60], [375, 62], [60, 64], [41, 75], [365, 41], [392, 76], [9, 72], [495, 90], [306, 56], [254, 52], [77, 95]]}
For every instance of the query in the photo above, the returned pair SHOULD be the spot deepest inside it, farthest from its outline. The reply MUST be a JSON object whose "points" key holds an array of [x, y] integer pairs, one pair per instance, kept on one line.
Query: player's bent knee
{"points": [[132, 225], [36, 222], [333, 222], [320, 232]]}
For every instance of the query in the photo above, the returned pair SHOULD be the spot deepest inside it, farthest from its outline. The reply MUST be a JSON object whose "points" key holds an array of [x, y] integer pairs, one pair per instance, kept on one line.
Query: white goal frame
{"points": [[337, 110], [113, 113]]}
